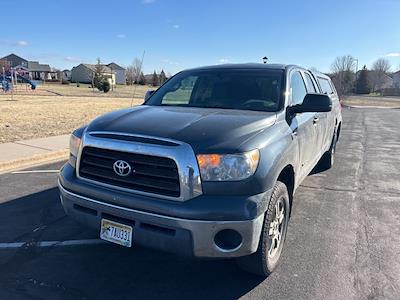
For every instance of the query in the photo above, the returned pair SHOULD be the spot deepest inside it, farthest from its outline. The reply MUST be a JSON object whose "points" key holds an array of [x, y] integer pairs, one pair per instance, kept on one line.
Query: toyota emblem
{"points": [[122, 168]]}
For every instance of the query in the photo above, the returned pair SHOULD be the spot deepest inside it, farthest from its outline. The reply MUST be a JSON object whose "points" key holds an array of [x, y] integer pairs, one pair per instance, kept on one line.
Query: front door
{"points": [[303, 126]]}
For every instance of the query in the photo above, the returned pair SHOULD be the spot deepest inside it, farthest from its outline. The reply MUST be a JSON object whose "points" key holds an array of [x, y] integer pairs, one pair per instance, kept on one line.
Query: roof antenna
{"points": [[137, 77]]}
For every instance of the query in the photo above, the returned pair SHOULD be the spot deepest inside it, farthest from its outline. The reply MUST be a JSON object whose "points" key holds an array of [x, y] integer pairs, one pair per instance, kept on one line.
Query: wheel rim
{"points": [[277, 228]]}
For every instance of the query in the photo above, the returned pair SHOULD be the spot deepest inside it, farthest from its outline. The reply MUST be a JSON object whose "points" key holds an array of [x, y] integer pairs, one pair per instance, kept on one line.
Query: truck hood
{"points": [[206, 130]]}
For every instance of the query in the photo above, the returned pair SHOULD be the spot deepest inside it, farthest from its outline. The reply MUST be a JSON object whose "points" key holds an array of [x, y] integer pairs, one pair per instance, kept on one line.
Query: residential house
{"points": [[13, 61], [380, 81], [29, 69], [84, 73], [396, 79], [66, 74], [39, 71], [120, 73]]}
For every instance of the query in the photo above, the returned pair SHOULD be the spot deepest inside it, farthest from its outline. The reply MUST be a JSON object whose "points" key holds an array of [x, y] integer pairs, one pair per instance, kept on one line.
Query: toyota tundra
{"points": [[208, 165]]}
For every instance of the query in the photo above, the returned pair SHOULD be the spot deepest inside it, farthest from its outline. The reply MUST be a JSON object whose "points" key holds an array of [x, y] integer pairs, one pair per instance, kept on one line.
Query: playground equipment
{"points": [[23, 79], [8, 82]]}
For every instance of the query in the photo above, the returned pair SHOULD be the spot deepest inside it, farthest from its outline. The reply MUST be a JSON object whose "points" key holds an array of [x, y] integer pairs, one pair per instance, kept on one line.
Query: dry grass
{"points": [[84, 90], [34, 114], [389, 102]]}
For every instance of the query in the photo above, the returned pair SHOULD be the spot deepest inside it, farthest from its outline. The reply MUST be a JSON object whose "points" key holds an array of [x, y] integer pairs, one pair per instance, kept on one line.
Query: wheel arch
{"points": [[287, 176], [338, 131]]}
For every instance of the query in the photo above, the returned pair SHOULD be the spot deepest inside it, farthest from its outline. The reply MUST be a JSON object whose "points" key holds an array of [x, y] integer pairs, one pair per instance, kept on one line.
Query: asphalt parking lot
{"points": [[343, 240]]}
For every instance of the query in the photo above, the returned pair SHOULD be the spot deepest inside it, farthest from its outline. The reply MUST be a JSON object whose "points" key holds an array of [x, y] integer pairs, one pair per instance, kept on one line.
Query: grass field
{"points": [[389, 102], [42, 113], [84, 90]]}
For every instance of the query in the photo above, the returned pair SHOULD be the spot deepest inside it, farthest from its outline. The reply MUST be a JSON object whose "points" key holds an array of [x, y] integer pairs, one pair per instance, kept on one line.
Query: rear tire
{"points": [[273, 235], [327, 160]]}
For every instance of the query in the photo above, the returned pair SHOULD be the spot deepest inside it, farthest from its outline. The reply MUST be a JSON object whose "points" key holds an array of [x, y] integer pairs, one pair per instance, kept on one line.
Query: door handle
{"points": [[315, 120], [294, 133]]}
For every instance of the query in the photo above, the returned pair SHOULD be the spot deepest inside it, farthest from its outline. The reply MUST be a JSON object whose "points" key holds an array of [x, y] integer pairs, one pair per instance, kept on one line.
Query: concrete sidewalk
{"points": [[21, 154]]}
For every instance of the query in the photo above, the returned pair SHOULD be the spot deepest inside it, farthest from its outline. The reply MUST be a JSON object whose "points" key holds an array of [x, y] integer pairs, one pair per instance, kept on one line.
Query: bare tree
{"points": [[343, 74], [380, 69], [4, 65], [133, 71]]}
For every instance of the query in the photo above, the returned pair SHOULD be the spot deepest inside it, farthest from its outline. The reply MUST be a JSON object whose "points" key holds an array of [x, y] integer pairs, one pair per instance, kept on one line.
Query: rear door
{"points": [[320, 120], [329, 123], [302, 124]]}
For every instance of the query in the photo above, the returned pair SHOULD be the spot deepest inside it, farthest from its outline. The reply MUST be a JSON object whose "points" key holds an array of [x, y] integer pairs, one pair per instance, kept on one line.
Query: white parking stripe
{"points": [[54, 243], [35, 171]]}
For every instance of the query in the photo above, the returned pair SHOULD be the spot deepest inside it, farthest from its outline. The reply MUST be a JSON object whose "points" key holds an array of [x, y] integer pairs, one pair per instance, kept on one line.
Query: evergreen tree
{"points": [[163, 78], [98, 75], [154, 79], [362, 84], [142, 79]]}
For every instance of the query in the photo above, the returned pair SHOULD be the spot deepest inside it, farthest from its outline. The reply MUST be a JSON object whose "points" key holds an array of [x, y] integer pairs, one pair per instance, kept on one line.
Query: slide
{"points": [[23, 79]]}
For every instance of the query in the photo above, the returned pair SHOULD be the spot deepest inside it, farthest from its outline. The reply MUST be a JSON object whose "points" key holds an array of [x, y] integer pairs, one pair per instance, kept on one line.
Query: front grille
{"points": [[151, 174]]}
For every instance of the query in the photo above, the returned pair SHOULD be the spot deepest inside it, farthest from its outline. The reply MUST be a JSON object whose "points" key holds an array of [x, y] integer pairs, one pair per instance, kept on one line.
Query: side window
{"points": [[310, 83], [181, 93], [297, 88], [325, 85], [333, 87]]}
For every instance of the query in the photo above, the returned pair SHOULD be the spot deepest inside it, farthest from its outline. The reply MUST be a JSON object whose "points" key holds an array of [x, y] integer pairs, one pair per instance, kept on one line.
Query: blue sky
{"points": [[178, 34]]}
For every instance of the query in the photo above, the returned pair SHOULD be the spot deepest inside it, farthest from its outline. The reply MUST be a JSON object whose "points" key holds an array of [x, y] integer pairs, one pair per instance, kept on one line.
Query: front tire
{"points": [[273, 234]]}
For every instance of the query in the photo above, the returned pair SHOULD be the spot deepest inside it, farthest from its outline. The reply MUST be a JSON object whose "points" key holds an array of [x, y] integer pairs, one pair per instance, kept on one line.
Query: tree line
{"points": [[349, 80], [134, 75]]}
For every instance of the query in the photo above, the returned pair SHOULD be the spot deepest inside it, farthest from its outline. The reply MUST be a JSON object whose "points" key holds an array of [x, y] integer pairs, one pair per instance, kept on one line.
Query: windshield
{"points": [[259, 90]]}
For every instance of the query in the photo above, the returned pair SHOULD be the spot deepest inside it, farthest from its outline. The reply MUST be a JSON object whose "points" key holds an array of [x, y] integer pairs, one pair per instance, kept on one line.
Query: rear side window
{"points": [[325, 85], [297, 88], [310, 83]]}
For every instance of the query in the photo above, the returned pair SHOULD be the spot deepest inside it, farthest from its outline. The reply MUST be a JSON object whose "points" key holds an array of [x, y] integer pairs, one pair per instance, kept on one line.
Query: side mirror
{"points": [[148, 94], [313, 103]]}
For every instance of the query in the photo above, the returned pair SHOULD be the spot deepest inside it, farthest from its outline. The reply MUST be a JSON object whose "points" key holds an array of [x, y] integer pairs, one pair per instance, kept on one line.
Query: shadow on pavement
{"points": [[99, 271]]}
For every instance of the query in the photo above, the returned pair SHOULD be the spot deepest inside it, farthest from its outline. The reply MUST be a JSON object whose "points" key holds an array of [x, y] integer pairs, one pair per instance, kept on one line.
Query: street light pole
{"points": [[356, 59]]}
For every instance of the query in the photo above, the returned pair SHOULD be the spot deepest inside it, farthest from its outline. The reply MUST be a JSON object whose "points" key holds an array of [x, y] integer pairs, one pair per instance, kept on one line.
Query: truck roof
{"points": [[242, 66]]}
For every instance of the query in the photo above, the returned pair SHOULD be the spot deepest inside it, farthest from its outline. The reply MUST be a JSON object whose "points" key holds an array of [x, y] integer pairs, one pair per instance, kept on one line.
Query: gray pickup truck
{"points": [[208, 165]]}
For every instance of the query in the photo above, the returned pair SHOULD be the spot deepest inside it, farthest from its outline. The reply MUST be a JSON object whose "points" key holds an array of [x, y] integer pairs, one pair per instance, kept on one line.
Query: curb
{"points": [[31, 161]]}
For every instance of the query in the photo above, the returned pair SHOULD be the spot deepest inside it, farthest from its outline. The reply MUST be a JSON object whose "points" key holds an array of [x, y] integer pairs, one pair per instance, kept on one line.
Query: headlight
{"points": [[228, 167], [74, 144]]}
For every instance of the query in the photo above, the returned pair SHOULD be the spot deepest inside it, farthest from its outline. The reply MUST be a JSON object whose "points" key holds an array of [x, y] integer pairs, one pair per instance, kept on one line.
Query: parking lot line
{"points": [[16, 245], [35, 171]]}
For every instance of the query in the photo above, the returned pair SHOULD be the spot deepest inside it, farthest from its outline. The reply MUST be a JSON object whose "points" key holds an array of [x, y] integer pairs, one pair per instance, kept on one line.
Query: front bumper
{"points": [[178, 235]]}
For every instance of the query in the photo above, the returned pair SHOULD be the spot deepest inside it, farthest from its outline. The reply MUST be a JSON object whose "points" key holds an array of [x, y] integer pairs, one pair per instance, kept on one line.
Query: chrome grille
{"points": [[151, 174]]}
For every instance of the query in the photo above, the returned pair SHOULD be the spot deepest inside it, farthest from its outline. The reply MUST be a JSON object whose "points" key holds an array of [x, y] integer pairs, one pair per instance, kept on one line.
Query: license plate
{"points": [[116, 233]]}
